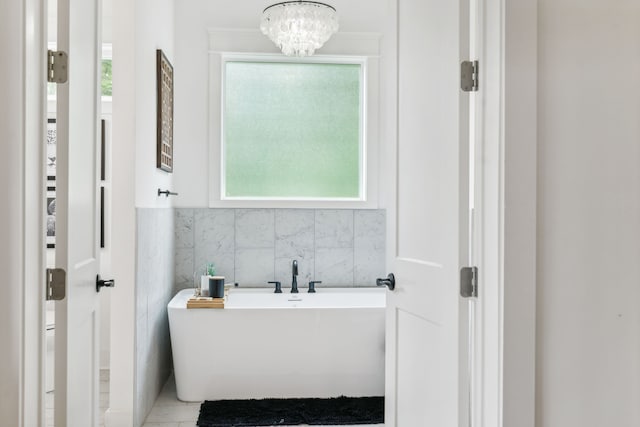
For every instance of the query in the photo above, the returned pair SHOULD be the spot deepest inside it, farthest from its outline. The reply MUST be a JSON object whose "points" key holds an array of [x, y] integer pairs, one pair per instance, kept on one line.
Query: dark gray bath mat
{"points": [[291, 412]]}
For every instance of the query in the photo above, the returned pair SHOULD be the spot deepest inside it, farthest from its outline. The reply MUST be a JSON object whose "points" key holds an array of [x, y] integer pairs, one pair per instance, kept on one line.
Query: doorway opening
{"points": [[104, 178]]}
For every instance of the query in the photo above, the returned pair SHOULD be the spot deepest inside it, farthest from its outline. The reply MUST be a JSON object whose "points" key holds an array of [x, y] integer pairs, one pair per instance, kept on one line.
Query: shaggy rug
{"points": [[289, 412]]}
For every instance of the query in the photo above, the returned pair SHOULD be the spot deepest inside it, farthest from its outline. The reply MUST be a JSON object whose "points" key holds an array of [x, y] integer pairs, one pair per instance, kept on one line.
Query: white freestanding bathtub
{"points": [[263, 344]]}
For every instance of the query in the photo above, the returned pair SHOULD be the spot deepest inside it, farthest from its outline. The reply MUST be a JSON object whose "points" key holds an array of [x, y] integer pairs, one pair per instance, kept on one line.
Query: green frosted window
{"points": [[106, 78], [292, 130]]}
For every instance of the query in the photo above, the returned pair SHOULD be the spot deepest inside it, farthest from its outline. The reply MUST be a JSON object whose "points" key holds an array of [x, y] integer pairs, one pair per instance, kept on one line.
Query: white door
{"points": [[426, 351], [77, 249]]}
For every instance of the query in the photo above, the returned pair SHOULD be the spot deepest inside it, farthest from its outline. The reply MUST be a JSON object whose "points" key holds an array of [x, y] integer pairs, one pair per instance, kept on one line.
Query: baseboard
{"points": [[116, 418]]}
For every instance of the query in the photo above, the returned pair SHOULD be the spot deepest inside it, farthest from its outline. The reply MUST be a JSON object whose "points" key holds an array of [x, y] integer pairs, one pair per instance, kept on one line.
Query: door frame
{"points": [[509, 222], [22, 120], [503, 372], [506, 219]]}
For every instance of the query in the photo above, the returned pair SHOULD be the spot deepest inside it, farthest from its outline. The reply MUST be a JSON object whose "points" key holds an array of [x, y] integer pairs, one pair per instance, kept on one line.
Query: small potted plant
{"points": [[209, 272]]}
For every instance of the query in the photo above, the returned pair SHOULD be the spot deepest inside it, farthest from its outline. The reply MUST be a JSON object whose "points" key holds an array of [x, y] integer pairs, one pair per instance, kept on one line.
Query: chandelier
{"points": [[298, 28]]}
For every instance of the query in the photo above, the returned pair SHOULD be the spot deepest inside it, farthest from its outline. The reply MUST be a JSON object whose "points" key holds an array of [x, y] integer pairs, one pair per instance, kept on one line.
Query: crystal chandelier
{"points": [[298, 28]]}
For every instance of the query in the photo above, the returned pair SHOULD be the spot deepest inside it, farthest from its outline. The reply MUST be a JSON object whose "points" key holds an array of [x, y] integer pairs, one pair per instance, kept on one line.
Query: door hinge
{"points": [[56, 284], [469, 76], [469, 282], [57, 65]]}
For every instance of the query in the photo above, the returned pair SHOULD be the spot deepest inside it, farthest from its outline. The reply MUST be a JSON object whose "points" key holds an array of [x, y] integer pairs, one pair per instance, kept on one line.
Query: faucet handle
{"points": [[312, 286], [278, 288]]}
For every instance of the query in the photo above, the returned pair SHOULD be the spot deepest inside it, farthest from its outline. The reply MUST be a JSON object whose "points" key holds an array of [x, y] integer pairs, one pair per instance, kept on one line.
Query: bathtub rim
{"points": [[179, 300]]}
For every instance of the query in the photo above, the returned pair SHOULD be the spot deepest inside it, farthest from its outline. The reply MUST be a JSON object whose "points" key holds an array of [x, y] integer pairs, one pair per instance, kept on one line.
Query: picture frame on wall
{"points": [[51, 148], [51, 218], [164, 124], [103, 174], [102, 215], [103, 149]]}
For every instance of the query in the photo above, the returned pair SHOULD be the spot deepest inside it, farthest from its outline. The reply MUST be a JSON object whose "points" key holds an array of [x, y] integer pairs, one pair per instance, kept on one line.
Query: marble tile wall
{"points": [[155, 265], [254, 246]]}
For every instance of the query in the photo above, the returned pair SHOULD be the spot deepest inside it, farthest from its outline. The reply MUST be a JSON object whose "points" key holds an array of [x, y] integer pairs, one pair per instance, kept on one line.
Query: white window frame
{"points": [[362, 137], [253, 46]]}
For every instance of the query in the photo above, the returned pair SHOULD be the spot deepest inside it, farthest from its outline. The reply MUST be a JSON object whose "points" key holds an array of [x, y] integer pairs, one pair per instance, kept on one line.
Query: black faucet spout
{"points": [[294, 273]]}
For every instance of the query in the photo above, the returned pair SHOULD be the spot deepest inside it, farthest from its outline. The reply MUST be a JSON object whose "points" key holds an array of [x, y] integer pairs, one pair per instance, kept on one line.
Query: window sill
{"points": [[294, 204]]}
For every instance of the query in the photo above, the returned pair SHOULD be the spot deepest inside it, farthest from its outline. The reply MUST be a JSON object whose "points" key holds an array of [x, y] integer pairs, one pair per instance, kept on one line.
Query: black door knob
{"points": [[104, 283], [390, 282]]}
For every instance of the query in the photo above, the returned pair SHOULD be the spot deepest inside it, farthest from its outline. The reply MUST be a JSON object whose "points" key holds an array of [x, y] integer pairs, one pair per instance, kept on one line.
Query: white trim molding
{"points": [[506, 215], [253, 41], [22, 122]]}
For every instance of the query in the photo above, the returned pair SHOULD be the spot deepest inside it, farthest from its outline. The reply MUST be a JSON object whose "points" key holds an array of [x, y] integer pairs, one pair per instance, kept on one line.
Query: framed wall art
{"points": [[51, 183], [51, 218], [164, 81], [103, 175], [51, 149], [102, 214], [103, 149]]}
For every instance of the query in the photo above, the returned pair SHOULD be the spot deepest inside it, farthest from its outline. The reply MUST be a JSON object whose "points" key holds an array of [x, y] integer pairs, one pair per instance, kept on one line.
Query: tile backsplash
{"points": [[254, 246]]}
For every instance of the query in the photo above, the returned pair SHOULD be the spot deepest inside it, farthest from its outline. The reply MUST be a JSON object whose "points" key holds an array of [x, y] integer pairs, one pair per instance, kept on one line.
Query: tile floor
{"points": [[168, 411]]}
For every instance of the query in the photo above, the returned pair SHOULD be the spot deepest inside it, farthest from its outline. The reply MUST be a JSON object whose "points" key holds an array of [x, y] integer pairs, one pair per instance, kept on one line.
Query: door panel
{"points": [[424, 346], [77, 250], [417, 398]]}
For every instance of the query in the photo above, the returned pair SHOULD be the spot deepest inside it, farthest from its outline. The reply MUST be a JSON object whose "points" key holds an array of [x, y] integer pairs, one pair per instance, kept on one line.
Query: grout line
{"points": [[353, 245], [312, 274], [235, 246], [275, 234], [315, 249], [193, 234], [193, 249]]}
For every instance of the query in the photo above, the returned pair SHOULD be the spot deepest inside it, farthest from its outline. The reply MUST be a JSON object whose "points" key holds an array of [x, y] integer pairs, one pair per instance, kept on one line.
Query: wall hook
{"points": [[167, 193]]}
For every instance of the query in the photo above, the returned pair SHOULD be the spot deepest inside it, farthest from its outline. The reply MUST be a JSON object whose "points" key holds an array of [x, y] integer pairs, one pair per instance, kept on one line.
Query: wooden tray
{"points": [[205, 302]]}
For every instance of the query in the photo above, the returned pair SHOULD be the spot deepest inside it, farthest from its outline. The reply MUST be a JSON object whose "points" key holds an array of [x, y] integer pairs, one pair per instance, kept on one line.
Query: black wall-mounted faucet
{"points": [[294, 281]]}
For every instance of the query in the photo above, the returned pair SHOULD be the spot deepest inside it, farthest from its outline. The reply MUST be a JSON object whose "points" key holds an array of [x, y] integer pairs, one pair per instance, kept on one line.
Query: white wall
{"points": [[588, 317], [11, 212], [192, 20], [139, 28], [154, 29], [120, 412], [519, 213]]}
